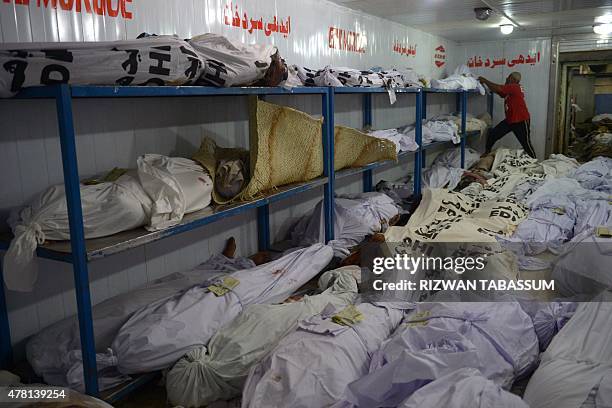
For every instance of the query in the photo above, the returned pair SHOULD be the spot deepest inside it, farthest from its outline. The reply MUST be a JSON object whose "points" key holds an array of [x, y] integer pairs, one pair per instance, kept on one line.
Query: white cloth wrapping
{"points": [[438, 176], [231, 63], [452, 157], [108, 208], [550, 224], [446, 171], [51, 352], [207, 59], [312, 366], [440, 131], [341, 76], [548, 318], [558, 165], [403, 142], [156, 336], [602, 117], [177, 186], [595, 175], [464, 388], [207, 374], [434, 131], [355, 217], [162, 60], [583, 267], [157, 195], [436, 339], [510, 161], [472, 124], [461, 78], [563, 207], [578, 359]]}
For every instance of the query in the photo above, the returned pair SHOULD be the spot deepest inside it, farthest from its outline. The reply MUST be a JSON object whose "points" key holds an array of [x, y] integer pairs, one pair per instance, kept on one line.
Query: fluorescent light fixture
{"points": [[602, 29], [506, 28]]}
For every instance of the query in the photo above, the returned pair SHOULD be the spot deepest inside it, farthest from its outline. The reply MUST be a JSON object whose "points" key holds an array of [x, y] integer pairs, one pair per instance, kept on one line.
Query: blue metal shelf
{"points": [[80, 252], [455, 91], [88, 91], [376, 165], [106, 246], [364, 90]]}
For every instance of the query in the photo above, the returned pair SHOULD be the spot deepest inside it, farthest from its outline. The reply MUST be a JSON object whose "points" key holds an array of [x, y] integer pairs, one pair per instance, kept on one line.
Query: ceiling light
{"points": [[506, 28], [602, 29]]}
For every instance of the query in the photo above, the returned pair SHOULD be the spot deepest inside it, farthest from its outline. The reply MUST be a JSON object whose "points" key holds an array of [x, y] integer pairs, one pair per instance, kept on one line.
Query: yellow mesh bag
{"points": [[286, 147], [353, 148]]}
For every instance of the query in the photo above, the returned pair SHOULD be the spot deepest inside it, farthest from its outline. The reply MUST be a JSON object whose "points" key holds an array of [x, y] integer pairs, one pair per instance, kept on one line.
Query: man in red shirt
{"points": [[517, 116]]}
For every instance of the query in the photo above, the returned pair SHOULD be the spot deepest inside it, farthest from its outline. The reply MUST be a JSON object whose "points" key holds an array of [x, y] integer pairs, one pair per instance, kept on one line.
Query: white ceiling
{"points": [[455, 19]]}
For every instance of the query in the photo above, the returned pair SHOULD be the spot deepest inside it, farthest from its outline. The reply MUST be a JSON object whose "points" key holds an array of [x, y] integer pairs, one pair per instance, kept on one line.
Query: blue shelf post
{"points": [[6, 349], [464, 95], [327, 107], [424, 117], [77, 235], [367, 121], [263, 227], [418, 136]]}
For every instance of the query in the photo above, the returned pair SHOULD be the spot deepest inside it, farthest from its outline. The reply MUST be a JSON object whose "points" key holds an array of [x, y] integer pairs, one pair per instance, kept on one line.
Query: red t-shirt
{"points": [[514, 103]]}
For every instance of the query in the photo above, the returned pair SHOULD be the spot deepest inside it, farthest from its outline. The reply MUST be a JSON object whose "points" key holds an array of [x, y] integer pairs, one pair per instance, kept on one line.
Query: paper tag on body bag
{"points": [[604, 232], [224, 286], [348, 316]]}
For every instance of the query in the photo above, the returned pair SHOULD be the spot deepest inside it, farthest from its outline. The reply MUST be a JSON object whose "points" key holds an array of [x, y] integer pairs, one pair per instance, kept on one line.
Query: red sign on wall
{"points": [[341, 39], [491, 62], [402, 49], [440, 56], [110, 8], [253, 24]]}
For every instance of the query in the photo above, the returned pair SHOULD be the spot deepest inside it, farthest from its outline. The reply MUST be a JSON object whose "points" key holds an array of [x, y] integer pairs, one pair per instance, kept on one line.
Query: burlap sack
{"points": [[353, 148], [286, 147]]}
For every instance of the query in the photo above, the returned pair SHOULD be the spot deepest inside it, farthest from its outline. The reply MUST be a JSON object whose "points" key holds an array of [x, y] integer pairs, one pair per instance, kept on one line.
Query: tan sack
{"points": [[353, 148]]}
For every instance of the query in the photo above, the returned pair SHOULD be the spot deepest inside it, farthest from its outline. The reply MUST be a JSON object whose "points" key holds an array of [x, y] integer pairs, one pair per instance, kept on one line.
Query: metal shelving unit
{"points": [[421, 112], [79, 252], [366, 93]]}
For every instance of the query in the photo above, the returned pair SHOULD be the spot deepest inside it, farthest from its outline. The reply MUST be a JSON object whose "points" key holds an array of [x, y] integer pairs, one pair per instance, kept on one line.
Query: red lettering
{"points": [[46, 3], [109, 8], [99, 6], [346, 40], [124, 13], [66, 4], [87, 6]]}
